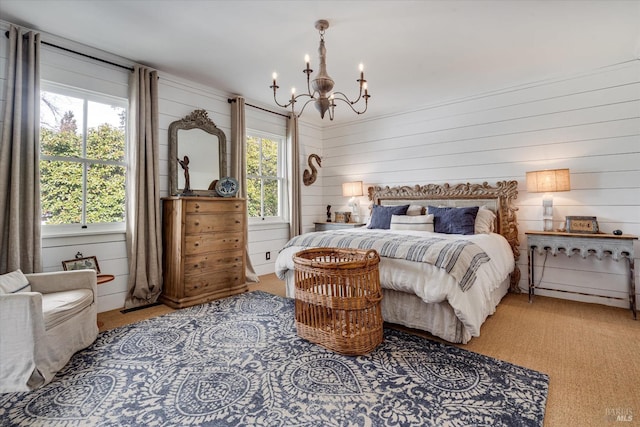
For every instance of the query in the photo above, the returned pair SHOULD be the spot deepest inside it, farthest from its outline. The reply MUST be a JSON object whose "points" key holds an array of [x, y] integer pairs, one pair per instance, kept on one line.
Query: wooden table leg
{"points": [[632, 287], [531, 278]]}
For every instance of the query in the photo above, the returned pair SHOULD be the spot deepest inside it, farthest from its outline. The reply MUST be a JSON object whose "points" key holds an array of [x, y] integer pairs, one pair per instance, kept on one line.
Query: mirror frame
{"points": [[198, 119]]}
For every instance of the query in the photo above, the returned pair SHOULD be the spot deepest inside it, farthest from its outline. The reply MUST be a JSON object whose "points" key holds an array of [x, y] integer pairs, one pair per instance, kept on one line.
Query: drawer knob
{"points": [[197, 222], [196, 244], [197, 206]]}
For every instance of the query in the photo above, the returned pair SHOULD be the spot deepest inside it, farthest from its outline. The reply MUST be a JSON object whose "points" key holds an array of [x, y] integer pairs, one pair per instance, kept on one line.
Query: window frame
{"points": [[281, 178], [55, 230]]}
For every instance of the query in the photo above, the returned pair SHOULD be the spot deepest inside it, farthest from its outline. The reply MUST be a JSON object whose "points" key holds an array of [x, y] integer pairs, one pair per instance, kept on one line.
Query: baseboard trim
{"points": [[142, 307]]}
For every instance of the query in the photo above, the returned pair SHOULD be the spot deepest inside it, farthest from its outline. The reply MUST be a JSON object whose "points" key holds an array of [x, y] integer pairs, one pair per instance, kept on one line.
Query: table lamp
{"points": [[353, 190], [548, 181]]}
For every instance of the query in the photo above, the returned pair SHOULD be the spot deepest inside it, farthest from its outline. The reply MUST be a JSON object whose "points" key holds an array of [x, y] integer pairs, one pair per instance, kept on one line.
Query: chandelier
{"points": [[323, 95]]}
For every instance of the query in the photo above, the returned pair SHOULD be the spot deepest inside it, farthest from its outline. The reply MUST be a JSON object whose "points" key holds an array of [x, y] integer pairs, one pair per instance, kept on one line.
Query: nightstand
{"points": [[324, 226], [598, 244]]}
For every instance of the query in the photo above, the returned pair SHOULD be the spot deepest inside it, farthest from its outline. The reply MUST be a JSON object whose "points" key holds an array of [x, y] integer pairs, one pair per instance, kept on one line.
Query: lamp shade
{"points": [[352, 189], [548, 181]]}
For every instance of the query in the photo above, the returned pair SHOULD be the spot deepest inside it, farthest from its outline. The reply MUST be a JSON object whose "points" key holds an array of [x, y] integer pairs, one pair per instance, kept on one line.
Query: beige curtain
{"points": [[238, 166], [295, 202], [20, 245], [144, 239]]}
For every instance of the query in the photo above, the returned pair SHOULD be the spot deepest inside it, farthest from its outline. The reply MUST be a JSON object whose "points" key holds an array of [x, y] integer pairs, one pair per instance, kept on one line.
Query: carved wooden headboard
{"points": [[499, 198]]}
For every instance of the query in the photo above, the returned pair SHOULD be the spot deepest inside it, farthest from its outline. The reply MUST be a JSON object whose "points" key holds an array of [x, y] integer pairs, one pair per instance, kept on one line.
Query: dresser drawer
{"points": [[222, 205], [202, 243], [212, 262], [199, 223], [199, 284]]}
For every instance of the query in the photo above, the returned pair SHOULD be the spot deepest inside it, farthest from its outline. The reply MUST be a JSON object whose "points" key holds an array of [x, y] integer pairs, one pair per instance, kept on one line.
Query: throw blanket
{"points": [[459, 258]]}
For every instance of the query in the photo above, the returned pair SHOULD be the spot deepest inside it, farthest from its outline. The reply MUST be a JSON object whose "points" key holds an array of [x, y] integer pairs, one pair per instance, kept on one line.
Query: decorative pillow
{"points": [[13, 282], [412, 222], [381, 215], [415, 210], [454, 220], [485, 221]]}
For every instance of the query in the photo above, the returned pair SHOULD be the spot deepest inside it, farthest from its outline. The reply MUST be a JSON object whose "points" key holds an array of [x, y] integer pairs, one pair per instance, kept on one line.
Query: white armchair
{"points": [[40, 330]]}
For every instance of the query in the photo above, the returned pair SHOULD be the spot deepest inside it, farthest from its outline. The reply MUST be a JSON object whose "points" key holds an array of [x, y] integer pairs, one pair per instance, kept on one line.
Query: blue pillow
{"points": [[381, 215], [454, 220]]}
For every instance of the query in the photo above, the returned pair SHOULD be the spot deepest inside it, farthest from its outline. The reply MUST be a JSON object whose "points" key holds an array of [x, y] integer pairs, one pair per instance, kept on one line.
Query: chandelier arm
{"points": [[295, 99], [350, 104], [345, 98], [305, 105], [280, 105], [303, 95]]}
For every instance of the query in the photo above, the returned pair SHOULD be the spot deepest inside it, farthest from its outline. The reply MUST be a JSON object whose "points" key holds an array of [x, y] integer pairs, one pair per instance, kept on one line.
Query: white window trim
{"points": [[70, 230], [282, 180]]}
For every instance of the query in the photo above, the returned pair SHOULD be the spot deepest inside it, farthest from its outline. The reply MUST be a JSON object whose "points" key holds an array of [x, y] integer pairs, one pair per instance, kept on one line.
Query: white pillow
{"points": [[412, 222], [415, 210], [485, 221], [13, 282]]}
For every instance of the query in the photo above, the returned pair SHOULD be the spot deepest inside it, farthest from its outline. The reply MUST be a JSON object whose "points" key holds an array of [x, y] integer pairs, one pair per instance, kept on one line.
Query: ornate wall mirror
{"points": [[197, 137]]}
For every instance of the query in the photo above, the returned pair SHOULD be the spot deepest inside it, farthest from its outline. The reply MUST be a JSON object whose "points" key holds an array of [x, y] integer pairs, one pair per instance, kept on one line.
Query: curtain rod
{"points": [[231, 100], [81, 54]]}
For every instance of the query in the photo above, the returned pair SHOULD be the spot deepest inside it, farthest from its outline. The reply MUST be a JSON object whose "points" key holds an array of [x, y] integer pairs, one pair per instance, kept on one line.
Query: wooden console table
{"points": [[600, 245]]}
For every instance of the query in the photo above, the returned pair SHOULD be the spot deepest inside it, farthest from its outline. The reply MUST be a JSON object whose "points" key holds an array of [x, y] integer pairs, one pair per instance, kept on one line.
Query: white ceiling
{"points": [[416, 53]]}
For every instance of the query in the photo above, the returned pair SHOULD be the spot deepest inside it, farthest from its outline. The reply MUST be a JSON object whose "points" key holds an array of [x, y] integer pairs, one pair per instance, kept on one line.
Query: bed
{"points": [[444, 283]]}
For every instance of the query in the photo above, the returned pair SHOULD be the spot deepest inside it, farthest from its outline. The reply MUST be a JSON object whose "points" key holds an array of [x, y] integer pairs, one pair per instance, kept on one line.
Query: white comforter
{"points": [[433, 284]]}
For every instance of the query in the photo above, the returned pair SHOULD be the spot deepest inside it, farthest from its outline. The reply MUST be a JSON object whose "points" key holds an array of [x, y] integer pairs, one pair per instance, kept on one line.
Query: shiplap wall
{"points": [[110, 249], [589, 123], [271, 237], [177, 98]]}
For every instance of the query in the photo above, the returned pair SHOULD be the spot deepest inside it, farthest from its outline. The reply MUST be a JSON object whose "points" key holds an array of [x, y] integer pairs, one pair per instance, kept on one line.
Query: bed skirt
{"points": [[409, 310]]}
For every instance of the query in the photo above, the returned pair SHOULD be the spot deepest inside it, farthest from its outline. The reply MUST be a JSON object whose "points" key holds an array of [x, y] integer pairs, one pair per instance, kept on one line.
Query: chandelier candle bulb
{"points": [[306, 60]]}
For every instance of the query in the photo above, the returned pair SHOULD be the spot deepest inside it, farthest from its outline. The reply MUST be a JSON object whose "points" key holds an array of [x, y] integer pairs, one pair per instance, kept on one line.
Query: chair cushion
{"points": [[58, 307]]}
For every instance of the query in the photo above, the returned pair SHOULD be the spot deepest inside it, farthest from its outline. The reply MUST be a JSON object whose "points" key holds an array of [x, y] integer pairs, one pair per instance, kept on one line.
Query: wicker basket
{"points": [[338, 299]]}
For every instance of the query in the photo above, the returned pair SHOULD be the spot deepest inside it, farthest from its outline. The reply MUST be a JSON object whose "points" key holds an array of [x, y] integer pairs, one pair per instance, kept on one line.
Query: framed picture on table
{"points": [[86, 263], [582, 224]]}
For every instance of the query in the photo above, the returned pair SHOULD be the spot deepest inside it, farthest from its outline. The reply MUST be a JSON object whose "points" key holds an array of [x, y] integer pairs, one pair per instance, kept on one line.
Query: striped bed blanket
{"points": [[460, 258]]}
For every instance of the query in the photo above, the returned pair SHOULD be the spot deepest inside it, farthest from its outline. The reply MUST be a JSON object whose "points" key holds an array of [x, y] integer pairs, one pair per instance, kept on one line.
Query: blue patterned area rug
{"points": [[239, 362]]}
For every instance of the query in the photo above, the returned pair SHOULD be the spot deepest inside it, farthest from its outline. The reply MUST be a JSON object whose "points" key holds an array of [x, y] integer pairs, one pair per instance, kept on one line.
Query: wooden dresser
{"points": [[203, 249]]}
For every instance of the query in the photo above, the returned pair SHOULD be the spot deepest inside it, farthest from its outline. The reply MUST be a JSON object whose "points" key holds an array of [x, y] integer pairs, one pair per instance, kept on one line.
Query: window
{"points": [[82, 159], [265, 176]]}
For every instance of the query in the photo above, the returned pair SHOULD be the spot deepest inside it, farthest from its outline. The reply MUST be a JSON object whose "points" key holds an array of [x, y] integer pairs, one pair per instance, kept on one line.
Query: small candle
{"points": [[275, 76], [306, 60]]}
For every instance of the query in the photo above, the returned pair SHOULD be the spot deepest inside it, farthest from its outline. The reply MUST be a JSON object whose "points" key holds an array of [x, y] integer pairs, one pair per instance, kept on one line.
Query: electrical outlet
{"points": [[267, 255]]}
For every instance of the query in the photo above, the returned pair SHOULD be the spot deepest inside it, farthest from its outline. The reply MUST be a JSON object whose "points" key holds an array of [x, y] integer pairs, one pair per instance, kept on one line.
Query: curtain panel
{"points": [[239, 169], [295, 202], [144, 229], [20, 230]]}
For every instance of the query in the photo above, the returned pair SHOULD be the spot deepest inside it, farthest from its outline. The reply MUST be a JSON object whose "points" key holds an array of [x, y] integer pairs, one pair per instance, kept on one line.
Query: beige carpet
{"points": [[590, 352]]}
